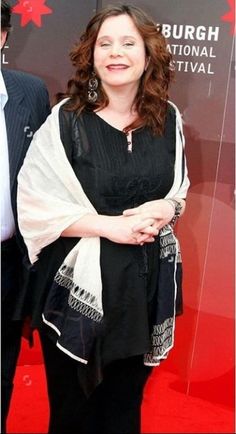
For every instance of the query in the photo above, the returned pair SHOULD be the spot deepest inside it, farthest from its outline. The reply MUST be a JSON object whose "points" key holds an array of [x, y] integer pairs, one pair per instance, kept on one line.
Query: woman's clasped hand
{"points": [[138, 225], [151, 217], [122, 229]]}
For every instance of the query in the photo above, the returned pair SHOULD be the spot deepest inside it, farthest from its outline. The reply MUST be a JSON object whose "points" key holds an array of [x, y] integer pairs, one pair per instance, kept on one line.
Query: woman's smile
{"points": [[117, 67]]}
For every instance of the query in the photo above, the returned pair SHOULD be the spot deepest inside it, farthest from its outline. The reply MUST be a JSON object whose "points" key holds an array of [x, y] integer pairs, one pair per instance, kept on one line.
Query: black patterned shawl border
{"points": [[79, 299]]}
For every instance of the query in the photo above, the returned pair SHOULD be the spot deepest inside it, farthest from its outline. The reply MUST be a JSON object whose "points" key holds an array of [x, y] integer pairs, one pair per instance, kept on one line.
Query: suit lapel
{"points": [[17, 117]]}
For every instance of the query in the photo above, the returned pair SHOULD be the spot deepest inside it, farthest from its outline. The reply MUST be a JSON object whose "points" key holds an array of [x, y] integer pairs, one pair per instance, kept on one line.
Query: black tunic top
{"points": [[114, 180]]}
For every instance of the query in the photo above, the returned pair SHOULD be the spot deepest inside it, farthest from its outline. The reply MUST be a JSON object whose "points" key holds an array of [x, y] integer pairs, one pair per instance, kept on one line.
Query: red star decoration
{"points": [[230, 16], [31, 10]]}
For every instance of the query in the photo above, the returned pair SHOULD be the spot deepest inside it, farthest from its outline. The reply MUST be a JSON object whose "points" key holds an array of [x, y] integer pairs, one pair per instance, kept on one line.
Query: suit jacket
{"points": [[26, 109]]}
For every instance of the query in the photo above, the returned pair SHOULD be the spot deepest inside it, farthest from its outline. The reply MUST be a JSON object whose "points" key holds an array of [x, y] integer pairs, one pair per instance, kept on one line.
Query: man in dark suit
{"points": [[24, 107]]}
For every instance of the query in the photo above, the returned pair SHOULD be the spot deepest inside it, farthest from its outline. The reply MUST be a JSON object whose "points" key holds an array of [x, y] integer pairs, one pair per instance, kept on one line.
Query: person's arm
{"points": [[118, 229]]}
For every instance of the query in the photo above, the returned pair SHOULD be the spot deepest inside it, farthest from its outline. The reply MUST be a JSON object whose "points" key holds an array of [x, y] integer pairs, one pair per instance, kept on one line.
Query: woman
{"points": [[100, 190]]}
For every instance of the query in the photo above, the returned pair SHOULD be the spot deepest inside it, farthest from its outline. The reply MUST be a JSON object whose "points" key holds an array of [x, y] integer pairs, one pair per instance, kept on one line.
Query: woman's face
{"points": [[119, 53]]}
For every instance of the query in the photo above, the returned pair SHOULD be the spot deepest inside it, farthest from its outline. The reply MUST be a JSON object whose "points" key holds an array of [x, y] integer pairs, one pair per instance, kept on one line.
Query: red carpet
{"points": [[165, 408]]}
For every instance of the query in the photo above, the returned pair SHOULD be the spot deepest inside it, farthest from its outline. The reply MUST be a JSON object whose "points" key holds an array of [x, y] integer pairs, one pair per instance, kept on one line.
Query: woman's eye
{"points": [[105, 44], [128, 44]]}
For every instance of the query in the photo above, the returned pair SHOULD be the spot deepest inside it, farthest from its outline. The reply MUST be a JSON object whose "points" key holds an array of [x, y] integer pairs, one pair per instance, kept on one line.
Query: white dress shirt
{"points": [[7, 219]]}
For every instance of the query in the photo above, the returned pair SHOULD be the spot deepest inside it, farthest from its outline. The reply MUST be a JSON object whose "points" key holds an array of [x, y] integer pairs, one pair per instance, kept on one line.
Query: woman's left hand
{"points": [[160, 210]]}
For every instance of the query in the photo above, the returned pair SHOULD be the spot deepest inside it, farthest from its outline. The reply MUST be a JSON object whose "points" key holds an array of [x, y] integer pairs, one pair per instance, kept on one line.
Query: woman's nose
{"points": [[116, 50]]}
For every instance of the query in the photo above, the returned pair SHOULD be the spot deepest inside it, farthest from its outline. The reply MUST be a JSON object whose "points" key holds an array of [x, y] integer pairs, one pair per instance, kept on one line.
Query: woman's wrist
{"points": [[100, 225], [177, 206]]}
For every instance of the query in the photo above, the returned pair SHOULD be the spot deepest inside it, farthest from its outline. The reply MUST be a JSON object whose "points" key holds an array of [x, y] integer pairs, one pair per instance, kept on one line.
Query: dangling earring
{"points": [[92, 87]]}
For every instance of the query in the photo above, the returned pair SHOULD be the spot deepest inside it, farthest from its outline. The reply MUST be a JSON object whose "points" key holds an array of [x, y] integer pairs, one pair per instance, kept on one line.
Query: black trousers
{"points": [[113, 408], [10, 330]]}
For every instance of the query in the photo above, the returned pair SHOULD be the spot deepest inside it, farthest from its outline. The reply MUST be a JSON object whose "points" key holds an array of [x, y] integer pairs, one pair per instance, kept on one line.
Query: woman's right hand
{"points": [[119, 229]]}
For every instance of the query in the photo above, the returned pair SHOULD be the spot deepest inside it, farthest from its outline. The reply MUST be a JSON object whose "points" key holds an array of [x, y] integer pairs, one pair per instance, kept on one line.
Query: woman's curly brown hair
{"points": [[152, 95]]}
